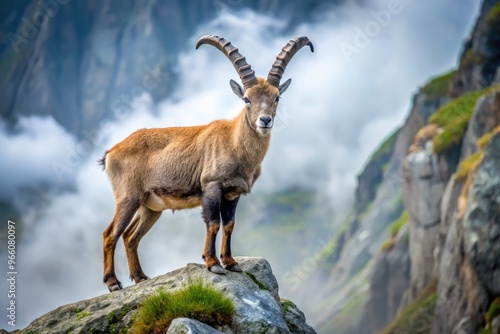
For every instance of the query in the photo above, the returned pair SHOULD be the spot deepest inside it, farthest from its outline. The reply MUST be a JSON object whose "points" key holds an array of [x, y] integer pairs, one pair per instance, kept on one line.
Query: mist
{"points": [[334, 114]]}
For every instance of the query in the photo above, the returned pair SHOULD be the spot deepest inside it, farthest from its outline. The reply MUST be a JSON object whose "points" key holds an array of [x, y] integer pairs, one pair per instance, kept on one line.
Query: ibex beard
{"points": [[210, 165]]}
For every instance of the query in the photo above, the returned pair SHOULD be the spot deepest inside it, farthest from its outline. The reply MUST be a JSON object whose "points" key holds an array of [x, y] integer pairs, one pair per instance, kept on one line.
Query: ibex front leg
{"points": [[227, 212], [211, 215]]}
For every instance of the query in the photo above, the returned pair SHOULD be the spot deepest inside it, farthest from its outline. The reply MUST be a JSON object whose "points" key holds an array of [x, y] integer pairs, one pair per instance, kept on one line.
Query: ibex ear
{"points": [[283, 87], [237, 89]]}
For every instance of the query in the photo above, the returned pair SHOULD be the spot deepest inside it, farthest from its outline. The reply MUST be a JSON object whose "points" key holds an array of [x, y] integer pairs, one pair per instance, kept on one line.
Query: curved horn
{"points": [[247, 75], [286, 54]]}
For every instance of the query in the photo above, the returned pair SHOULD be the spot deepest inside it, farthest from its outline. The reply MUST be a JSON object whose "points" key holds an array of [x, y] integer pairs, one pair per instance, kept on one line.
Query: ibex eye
{"points": [[246, 100], [277, 99]]}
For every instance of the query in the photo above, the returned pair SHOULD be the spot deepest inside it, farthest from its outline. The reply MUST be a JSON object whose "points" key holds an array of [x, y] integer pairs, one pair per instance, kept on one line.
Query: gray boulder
{"points": [[253, 292], [295, 319], [191, 326]]}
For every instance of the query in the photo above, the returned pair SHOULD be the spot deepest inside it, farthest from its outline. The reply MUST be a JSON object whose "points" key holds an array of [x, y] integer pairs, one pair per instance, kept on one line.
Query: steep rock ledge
{"points": [[480, 59], [425, 178], [254, 294]]}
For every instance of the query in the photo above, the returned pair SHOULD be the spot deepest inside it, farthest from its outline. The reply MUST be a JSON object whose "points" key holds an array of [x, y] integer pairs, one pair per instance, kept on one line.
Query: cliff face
{"points": [[468, 271], [381, 278], [254, 294], [434, 269]]}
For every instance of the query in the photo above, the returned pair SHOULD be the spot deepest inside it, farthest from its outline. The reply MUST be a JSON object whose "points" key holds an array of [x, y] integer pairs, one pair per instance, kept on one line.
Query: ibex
{"points": [[183, 167]]}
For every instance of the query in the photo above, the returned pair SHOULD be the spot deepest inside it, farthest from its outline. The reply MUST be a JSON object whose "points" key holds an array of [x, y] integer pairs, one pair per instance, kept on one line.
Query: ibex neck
{"points": [[248, 144]]}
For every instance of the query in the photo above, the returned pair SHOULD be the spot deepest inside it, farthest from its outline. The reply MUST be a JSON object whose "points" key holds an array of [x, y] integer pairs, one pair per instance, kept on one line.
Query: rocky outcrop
{"points": [[469, 274], [254, 294], [480, 59], [295, 318], [425, 178], [482, 220], [437, 249], [485, 118]]}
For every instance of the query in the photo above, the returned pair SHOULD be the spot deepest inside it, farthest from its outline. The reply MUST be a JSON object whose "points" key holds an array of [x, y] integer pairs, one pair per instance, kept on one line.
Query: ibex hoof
{"points": [[235, 267], [216, 269], [142, 279], [115, 287]]}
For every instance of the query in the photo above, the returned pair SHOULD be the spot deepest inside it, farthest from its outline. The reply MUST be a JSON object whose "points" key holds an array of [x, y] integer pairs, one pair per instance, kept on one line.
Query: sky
{"points": [[345, 98]]}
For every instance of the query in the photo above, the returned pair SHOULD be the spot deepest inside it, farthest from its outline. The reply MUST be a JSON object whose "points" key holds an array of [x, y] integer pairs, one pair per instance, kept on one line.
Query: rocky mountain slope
{"points": [[254, 294], [421, 251]]}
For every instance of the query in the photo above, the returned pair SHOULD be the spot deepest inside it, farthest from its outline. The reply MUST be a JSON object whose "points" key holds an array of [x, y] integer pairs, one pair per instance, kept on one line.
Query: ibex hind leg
{"points": [[125, 210], [141, 225]]}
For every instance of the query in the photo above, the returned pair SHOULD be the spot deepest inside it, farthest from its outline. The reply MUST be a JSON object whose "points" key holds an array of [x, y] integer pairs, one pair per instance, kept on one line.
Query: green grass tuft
{"points": [[398, 224], [484, 140], [418, 316], [285, 305], [493, 311], [453, 118], [394, 230], [387, 245], [438, 86], [196, 301], [470, 163], [112, 318]]}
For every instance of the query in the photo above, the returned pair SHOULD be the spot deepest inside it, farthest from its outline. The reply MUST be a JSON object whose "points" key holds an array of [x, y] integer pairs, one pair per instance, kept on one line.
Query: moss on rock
{"points": [[438, 86], [453, 117], [418, 316]]}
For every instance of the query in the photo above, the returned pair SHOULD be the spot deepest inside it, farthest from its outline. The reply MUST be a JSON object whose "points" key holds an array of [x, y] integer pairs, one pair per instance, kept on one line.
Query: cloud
{"points": [[28, 153], [333, 115]]}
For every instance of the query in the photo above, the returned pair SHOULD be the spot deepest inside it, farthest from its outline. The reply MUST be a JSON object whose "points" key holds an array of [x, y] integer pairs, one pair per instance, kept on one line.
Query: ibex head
{"points": [[261, 96]]}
